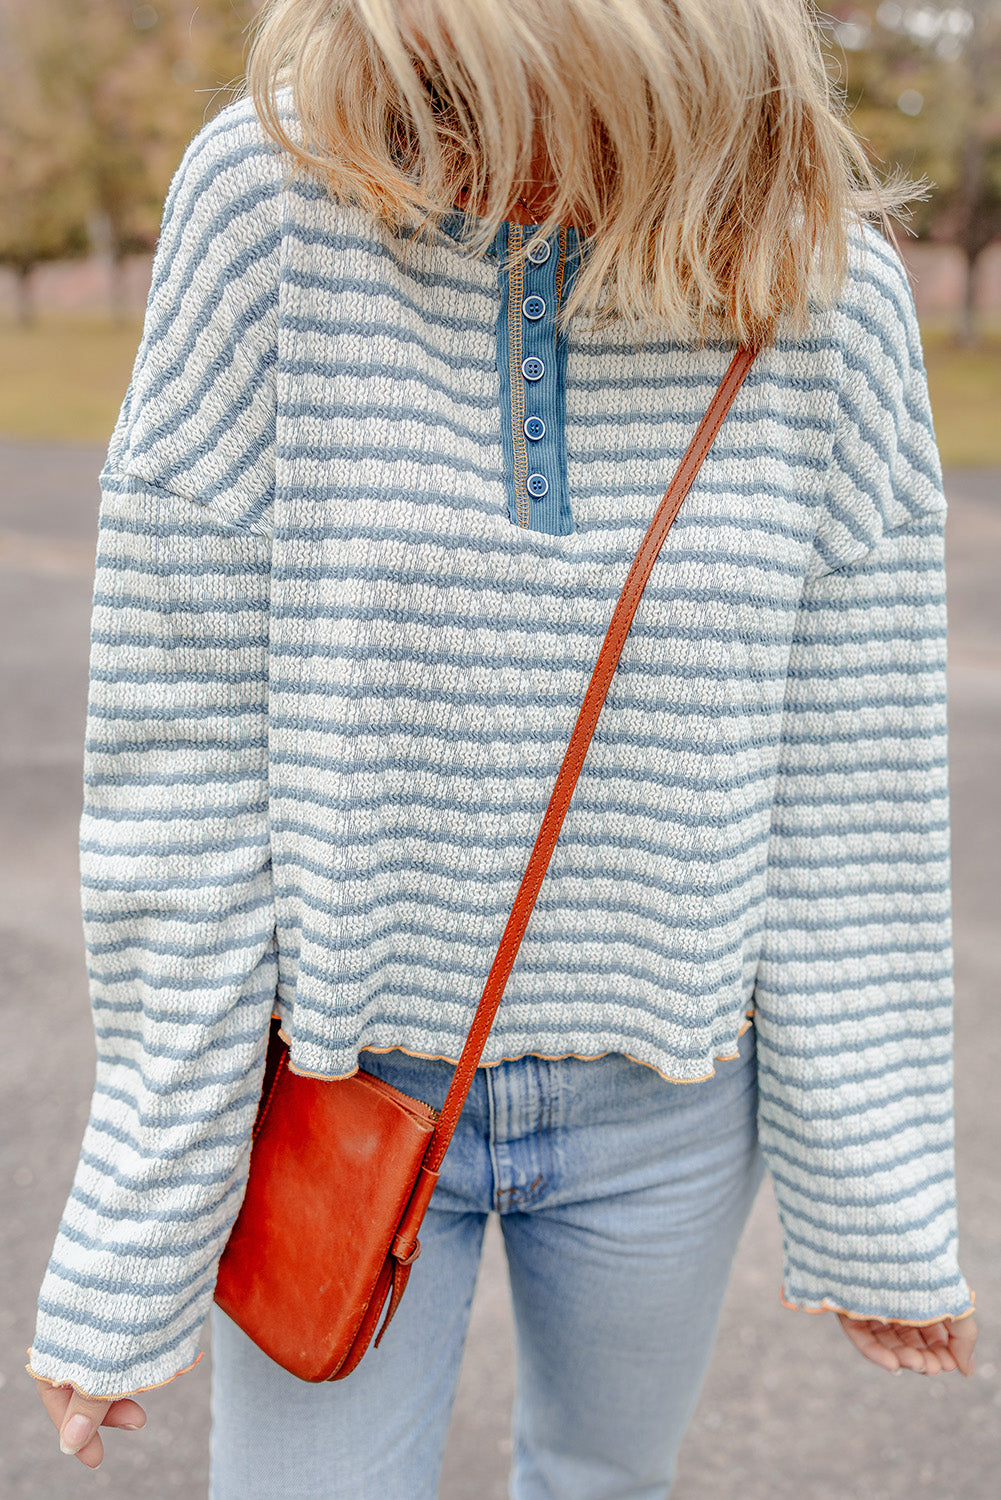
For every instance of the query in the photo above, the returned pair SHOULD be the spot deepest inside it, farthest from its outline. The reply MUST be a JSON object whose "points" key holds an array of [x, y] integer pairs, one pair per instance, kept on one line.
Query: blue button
{"points": [[537, 485], [532, 368], [535, 428], [533, 307], [540, 253]]}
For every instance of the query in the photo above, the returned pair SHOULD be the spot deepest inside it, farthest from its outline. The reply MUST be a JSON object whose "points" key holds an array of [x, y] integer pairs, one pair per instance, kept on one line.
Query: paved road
{"points": [[789, 1411]]}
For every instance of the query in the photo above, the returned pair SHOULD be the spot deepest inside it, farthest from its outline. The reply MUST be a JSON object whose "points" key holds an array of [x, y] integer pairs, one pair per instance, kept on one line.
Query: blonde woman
{"points": [[435, 311]]}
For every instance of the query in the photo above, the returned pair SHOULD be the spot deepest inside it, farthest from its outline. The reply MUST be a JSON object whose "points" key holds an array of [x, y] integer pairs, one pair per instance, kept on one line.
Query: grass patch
{"points": [[965, 389], [66, 378]]}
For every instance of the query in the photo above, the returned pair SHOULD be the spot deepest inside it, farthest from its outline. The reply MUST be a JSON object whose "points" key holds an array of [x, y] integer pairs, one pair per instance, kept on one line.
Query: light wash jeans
{"points": [[622, 1197]]}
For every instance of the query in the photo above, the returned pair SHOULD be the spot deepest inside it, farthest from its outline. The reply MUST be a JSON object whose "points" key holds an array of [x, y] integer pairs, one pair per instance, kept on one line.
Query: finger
{"points": [[893, 1346], [55, 1399], [936, 1351], [916, 1359], [916, 1340], [92, 1452], [937, 1334], [122, 1413], [962, 1337], [931, 1354], [884, 1358], [939, 1349], [964, 1359], [125, 1413], [908, 1334], [889, 1336], [937, 1337], [861, 1335], [78, 1430], [910, 1358]]}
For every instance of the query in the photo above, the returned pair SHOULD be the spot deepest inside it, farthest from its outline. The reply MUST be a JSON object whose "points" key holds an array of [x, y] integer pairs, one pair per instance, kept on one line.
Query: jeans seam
{"points": [[495, 1188], [543, 1131], [547, 1135]]}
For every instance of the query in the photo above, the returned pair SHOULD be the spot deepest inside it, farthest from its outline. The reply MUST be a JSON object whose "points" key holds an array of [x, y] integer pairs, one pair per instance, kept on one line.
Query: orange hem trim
{"points": [[304, 1072], [545, 1056], [121, 1396], [880, 1317]]}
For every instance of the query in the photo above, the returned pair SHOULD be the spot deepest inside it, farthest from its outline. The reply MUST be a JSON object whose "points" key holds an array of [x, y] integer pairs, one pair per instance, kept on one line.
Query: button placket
{"points": [[516, 383], [538, 331], [533, 361]]}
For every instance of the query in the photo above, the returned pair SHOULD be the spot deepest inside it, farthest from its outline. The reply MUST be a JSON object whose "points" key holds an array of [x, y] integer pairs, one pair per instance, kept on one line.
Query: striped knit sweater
{"points": [[334, 670]]}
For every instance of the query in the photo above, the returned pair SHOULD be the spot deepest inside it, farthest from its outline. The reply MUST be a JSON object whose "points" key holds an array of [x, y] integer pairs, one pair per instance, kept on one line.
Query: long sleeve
{"points": [[854, 989], [178, 913]]}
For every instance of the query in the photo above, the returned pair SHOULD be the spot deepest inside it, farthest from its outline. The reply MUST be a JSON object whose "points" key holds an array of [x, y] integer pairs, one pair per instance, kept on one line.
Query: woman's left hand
{"points": [[947, 1345]]}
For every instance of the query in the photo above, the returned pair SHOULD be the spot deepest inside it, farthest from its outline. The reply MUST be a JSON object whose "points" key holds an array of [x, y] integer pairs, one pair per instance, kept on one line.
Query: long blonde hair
{"points": [[703, 142]]}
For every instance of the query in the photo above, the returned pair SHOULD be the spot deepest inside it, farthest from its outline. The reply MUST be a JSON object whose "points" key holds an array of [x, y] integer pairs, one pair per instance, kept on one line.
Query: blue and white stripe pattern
{"points": [[331, 686]]}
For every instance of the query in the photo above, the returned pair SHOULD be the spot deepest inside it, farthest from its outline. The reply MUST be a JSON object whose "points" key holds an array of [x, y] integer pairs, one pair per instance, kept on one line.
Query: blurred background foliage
{"points": [[98, 99], [923, 86]]}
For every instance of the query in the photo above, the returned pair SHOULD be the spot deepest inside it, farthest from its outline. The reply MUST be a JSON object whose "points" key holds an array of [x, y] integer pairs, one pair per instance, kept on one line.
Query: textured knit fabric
{"points": [[332, 682]]}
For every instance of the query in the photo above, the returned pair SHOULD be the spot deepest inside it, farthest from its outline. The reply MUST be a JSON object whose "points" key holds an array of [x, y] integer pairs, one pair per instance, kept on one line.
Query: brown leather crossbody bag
{"points": [[342, 1170]]}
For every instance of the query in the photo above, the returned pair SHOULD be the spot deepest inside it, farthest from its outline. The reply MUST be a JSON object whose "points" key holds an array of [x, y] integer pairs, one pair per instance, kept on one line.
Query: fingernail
{"points": [[76, 1432]]}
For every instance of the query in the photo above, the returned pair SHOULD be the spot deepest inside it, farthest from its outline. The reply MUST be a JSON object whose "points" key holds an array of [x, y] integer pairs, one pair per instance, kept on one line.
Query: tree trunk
{"points": [[23, 299], [116, 287], [967, 331]]}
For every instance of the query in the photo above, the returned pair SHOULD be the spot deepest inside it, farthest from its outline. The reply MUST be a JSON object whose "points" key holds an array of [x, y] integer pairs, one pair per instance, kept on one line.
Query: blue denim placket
{"points": [[531, 369], [532, 365]]}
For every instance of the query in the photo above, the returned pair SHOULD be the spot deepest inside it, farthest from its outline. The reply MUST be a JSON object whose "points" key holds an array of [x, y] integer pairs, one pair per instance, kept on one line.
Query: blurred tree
{"points": [[112, 93], [43, 203], [923, 83]]}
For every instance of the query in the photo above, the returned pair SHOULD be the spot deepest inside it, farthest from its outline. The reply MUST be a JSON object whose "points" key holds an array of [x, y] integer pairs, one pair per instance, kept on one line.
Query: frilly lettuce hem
{"points": [[830, 1306], [118, 1395]]}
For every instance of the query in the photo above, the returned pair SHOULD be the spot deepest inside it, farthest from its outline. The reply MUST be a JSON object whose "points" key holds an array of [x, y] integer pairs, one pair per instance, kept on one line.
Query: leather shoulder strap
{"points": [[569, 771]]}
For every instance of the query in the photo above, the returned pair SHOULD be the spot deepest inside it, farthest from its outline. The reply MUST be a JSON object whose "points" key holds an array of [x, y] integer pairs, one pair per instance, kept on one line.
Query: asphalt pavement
{"points": [[789, 1411]]}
